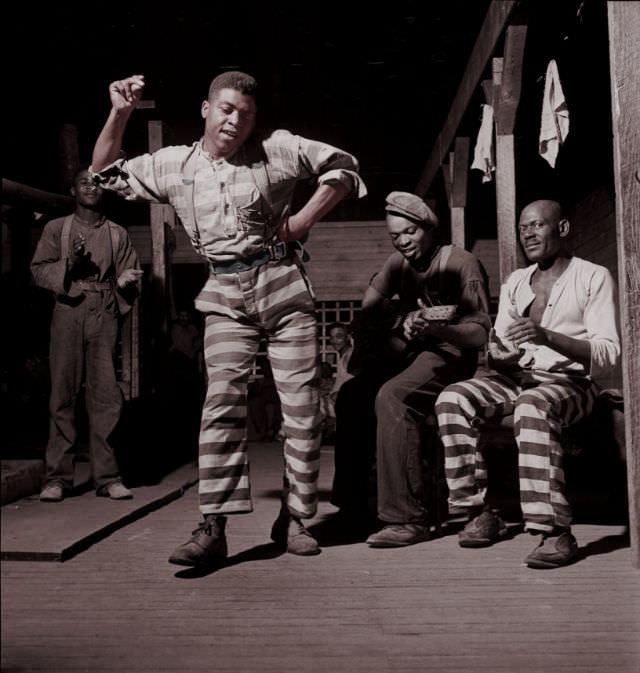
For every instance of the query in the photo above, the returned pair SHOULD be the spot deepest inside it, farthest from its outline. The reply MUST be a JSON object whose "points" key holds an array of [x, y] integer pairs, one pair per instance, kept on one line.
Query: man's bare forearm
{"points": [[323, 200], [109, 142]]}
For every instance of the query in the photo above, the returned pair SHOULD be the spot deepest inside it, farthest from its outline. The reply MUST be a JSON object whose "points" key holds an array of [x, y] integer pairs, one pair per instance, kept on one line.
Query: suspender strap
{"points": [[65, 237], [65, 240], [258, 166], [445, 252]]}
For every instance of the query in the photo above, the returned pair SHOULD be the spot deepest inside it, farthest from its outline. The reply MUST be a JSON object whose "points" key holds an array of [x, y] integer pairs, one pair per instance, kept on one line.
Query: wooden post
{"points": [[69, 154], [507, 79], [624, 57], [130, 353], [460, 166], [160, 216]]}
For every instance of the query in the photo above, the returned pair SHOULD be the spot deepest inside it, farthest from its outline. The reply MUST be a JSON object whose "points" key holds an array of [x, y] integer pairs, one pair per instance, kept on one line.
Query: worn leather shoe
{"points": [[399, 535], [206, 547], [52, 492], [116, 490], [482, 531], [553, 551], [288, 531]]}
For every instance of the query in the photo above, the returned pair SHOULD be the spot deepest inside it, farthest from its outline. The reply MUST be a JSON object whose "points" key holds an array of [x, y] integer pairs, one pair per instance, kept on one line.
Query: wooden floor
{"points": [[120, 607]]}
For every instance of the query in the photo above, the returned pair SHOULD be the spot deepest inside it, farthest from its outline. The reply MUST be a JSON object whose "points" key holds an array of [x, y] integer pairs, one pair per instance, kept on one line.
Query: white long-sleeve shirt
{"points": [[583, 304]]}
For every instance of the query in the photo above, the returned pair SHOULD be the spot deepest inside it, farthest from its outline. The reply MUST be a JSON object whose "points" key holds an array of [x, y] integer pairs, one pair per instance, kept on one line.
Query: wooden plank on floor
{"points": [[46, 531]]}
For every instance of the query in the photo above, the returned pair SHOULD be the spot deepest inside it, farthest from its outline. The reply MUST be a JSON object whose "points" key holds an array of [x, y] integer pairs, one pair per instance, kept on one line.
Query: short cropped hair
{"points": [[338, 325], [233, 79]]}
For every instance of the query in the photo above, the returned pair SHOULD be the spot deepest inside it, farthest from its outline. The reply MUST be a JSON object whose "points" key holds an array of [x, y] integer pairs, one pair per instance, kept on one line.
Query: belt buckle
{"points": [[278, 251]]}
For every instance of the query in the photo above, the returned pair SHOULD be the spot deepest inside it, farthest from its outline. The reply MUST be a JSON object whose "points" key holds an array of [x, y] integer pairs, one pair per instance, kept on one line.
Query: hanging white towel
{"points": [[554, 123], [483, 156]]}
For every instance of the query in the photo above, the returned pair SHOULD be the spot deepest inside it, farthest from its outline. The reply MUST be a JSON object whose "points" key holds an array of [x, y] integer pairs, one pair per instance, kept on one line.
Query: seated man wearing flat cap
{"points": [[381, 412]]}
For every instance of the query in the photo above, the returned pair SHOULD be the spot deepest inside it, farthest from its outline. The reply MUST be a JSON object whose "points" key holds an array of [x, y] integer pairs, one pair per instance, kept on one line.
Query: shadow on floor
{"points": [[263, 552]]}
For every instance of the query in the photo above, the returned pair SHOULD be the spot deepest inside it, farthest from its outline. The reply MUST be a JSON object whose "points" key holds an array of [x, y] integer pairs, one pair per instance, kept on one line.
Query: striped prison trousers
{"points": [[275, 301], [542, 405]]}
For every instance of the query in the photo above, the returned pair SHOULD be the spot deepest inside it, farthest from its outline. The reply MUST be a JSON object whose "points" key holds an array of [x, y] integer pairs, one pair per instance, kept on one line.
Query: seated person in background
{"points": [[342, 344], [186, 350], [555, 330], [381, 412], [264, 414], [327, 408], [186, 380]]}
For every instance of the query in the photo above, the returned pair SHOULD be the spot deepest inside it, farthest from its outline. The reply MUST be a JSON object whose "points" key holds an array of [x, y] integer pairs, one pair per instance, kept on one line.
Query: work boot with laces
{"points": [[556, 549], [288, 531], [207, 545], [483, 530]]}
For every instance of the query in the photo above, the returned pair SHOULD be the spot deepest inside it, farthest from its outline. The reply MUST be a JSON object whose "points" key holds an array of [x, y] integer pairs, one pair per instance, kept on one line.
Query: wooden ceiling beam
{"points": [[492, 28]]}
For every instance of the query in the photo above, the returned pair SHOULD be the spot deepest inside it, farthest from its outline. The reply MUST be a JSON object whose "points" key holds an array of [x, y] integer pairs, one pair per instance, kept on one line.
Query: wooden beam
{"points": [[460, 172], [487, 87], [624, 57], [69, 153], [459, 190], [511, 79], [507, 73], [161, 217], [15, 193], [509, 255], [494, 23], [447, 177], [158, 218]]}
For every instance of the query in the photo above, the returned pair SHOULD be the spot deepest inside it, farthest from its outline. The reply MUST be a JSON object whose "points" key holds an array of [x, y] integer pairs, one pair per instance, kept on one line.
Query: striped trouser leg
{"points": [[293, 352], [459, 409], [272, 300], [229, 349], [540, 415]]}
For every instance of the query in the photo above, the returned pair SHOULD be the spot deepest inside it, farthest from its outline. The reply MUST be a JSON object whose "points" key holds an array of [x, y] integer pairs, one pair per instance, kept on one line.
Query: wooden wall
{"points": [[486, 250], [593, 230], [344, 256]]}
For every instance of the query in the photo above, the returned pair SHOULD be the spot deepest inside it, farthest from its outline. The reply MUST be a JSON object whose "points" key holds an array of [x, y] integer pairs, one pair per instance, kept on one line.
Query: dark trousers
{"points": [[381, 418], [82, 348], [355, 441]]}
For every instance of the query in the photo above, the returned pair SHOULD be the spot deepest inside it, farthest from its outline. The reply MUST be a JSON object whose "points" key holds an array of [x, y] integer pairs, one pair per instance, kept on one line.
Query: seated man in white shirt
{"points": [[556, 329]]}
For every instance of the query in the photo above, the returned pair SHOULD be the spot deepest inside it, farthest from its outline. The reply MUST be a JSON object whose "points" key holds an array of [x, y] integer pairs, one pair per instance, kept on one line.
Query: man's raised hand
{"points": [[125, 93]]}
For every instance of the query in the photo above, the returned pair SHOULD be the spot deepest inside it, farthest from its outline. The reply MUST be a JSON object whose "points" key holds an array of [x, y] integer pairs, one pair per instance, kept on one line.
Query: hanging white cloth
{"points": [[554, 123], [483, 154]]}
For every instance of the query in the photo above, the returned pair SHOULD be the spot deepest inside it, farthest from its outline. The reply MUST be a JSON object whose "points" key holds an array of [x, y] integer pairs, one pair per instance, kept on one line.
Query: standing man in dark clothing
{"points": [[232, 191], [434, 346], [89, 264]]}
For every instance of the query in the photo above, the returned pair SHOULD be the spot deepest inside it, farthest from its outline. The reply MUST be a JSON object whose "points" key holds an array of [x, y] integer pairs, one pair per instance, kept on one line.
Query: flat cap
{"points": [[410, 206]]}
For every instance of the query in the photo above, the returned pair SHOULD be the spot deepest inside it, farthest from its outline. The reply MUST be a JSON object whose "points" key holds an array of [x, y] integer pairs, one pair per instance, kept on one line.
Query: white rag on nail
{"points": [[483, 157], [554, 123]]}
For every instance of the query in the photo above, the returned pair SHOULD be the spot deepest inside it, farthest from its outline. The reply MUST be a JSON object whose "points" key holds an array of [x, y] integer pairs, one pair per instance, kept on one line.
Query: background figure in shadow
{"points": [[91, 267], [264, 416], [186, 380]]}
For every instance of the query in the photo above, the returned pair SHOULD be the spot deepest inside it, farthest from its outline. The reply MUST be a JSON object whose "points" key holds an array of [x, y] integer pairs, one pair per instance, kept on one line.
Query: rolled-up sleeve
{"points": [[140, 178], [331, 165]]}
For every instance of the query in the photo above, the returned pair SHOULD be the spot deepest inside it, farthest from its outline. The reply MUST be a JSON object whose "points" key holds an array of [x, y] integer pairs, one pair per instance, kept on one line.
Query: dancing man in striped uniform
{"points": [[232, 191], [555, 331]]}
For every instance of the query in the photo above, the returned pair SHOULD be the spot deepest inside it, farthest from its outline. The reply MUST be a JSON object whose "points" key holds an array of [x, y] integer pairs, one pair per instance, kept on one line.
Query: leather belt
{"points": [[93, 286], [271, 253]]}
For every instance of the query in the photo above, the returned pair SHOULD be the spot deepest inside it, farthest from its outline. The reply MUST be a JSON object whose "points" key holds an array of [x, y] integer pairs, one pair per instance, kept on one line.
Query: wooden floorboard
{"points": [[52, 531], [120, 607]]}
